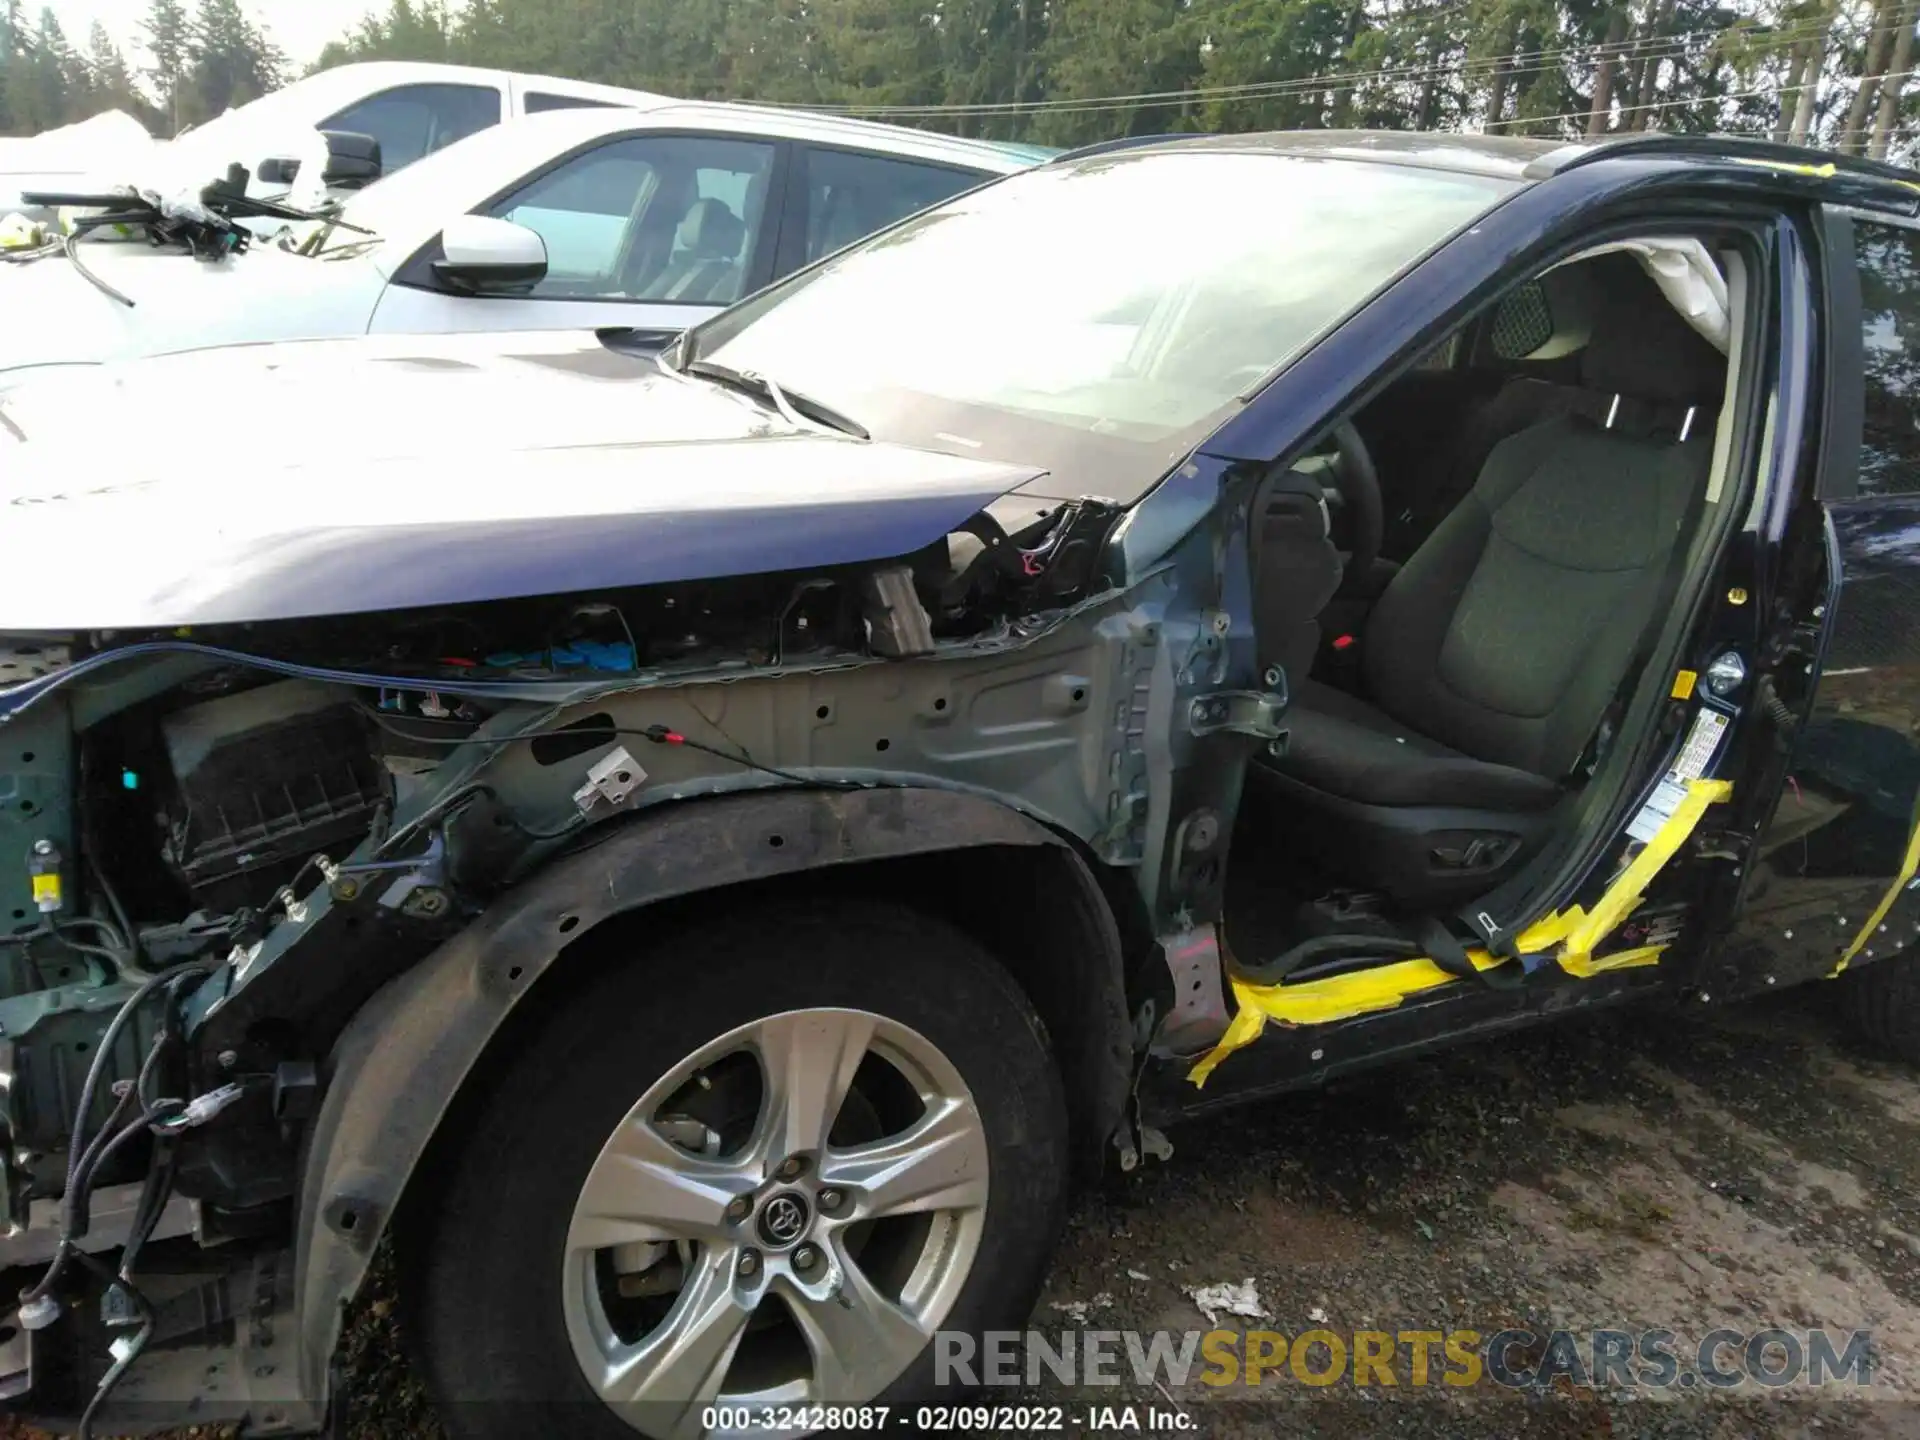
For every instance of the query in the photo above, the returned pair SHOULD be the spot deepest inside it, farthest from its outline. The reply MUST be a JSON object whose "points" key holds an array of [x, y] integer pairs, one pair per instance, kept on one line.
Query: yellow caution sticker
{"points": [[1571, 934], [1683, 684]]}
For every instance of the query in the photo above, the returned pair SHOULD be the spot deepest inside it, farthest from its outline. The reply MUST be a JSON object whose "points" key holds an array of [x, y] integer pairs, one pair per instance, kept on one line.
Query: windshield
{"points": [[1097, 318]]}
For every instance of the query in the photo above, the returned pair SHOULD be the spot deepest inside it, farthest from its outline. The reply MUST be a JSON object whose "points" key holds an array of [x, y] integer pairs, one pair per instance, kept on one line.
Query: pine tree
{"points": [[168, 38], [11, 59], [110, 81], [41, 93], [1110, 47], [229, 60]]}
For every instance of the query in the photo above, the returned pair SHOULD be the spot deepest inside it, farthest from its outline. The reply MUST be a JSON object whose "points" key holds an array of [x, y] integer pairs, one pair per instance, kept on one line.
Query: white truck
{"points": [[411, 109]]}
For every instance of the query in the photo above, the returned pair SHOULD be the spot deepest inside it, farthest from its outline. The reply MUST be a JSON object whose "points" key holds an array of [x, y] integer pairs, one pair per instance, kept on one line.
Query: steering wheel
{"points": [[1359, 485]]}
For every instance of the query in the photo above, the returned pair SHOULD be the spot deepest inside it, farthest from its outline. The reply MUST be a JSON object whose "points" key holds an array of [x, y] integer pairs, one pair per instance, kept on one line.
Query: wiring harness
{"points": [[205, 225], [137, 1111]]}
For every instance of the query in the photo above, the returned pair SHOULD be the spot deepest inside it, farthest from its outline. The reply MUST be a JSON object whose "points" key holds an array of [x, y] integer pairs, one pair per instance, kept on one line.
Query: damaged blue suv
{"points": [[701, 850]]}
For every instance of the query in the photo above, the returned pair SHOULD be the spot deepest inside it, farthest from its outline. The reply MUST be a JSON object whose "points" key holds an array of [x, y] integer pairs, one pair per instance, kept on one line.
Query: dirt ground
{"points": [[1746, 1169], [1749, 1168]]}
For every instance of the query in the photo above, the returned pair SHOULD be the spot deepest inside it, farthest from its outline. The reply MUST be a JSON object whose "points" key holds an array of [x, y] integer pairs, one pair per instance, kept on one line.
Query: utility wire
{"points": [[1682, 104], [1519, 63]]}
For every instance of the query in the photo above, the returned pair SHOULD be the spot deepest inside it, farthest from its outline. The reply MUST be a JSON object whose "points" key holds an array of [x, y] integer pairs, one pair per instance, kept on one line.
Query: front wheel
{"points": [[1881, 1001], [754, 1172]]}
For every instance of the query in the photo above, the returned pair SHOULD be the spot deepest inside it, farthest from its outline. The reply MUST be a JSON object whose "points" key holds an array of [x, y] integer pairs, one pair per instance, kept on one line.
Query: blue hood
{"points": [[337, 477]]}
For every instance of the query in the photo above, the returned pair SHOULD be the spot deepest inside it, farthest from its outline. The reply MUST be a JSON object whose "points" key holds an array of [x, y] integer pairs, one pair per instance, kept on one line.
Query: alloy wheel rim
{"points": [[799, 1247]]}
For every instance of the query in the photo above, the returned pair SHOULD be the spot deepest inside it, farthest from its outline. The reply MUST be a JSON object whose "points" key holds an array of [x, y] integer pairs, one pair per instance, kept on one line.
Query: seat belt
{"points": [[1451, 956]]}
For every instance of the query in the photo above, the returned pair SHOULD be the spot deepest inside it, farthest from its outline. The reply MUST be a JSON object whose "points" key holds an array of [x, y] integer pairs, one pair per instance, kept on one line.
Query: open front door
{"points": [[1828, 883]]}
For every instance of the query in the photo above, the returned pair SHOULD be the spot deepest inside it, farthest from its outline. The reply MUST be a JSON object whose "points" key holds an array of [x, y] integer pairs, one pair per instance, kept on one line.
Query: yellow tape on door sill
{"points": [[1908, 866], [1572, 934]]}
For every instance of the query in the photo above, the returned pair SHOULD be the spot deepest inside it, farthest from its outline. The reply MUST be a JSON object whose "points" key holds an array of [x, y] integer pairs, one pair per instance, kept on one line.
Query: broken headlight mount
{"points": [[1044, 565]]}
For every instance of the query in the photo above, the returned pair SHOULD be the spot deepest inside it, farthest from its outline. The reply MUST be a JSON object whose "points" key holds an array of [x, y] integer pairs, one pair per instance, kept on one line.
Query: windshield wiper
{"points": [[795, 408], [314, 243]]}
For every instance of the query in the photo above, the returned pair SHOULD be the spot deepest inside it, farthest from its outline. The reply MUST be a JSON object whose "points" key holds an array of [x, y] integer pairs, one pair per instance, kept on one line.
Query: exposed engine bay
{"points": [[217, 843]]}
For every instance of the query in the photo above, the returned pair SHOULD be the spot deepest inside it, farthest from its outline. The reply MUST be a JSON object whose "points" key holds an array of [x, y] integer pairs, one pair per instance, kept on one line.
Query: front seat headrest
{"points": [[1641, 345], [711, 230]]}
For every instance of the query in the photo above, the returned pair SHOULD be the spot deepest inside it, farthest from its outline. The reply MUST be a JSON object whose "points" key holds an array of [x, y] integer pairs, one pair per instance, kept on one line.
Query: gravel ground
{"points": [[1745, 1169], [1750, 1168]]}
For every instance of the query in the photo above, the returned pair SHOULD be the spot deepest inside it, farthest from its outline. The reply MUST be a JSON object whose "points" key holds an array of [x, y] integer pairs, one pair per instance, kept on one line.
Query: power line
{"points": [[1695, 102], [1657, 48], [1706, 100], [1305, 84]]}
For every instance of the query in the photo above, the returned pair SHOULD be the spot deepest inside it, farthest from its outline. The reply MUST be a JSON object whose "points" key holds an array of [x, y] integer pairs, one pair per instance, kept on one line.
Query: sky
{"points": [[299, 27]]}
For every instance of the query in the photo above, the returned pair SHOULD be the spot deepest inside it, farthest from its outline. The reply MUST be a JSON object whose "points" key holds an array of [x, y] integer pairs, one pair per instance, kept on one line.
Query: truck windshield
{"points": [[1097, 317]]}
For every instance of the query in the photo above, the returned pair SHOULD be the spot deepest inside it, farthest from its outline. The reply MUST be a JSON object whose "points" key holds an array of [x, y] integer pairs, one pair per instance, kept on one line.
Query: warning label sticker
{"points": [[1703, 741], [1659, 809]]}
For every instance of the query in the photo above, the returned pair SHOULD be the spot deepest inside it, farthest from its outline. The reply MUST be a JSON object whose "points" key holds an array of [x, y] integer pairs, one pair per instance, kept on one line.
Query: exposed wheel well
{"points": [[1037, 908]]}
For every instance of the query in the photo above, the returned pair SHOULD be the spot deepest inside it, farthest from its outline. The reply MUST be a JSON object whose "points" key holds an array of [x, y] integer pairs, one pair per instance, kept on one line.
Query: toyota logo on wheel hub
{"points": [[784, 1219]]}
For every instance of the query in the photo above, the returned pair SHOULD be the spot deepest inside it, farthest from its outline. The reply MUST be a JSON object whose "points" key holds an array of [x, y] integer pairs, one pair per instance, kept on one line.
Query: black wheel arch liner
{"points": [[405, 1056]]}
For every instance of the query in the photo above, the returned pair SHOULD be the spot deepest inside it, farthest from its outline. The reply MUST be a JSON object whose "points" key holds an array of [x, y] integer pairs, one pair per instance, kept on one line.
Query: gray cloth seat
{"points": [[1355, 751], [1493, 656], [706, 253]]}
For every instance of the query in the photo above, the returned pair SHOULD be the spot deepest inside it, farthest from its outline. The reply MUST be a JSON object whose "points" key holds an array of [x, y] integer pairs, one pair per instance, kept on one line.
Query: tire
{"points": [[1881, 1001], [510, 1303]]}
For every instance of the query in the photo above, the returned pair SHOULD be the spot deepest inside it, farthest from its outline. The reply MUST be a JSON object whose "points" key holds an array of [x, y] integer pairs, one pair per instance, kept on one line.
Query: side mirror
{"points": [[353, 160], [353, 163], [485, 256]]}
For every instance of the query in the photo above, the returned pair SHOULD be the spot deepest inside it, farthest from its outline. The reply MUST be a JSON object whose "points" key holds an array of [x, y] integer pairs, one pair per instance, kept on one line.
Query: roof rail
{"points": [[1125, 142], [1710, 146]]}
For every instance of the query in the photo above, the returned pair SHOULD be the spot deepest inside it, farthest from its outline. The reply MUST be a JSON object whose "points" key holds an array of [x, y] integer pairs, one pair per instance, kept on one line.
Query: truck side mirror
{"points": [[353, 163], [353, 160]]}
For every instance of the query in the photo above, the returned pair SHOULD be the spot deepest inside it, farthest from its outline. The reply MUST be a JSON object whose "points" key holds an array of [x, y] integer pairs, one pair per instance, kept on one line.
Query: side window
{"points": [[850, 196], [538, 103], [658, 217], [1889, 264], [417, 120]]}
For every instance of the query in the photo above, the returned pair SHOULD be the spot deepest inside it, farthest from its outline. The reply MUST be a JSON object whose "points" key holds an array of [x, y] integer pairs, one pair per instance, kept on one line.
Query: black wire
{"points": [[80, 1188], [26, 937], [115, 958], [455, 801], [154, 1195], [656, 734], [312, 862], [102, 1049], [73, 254], [77, 1198], [116, 938], [557, 832], [117, 952], [140, 1123], [124, 1361]]}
